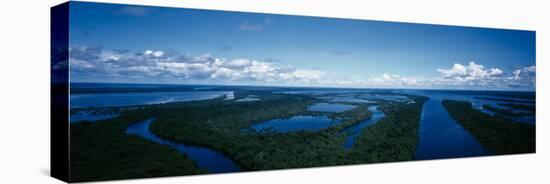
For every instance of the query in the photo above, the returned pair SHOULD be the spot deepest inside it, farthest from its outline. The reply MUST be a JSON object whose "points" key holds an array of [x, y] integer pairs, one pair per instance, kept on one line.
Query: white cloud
{"points": [[525, 72], [80, 64], [394, 80], [476, 76], [148, 52], [157, 64], [457, 69], [471, 72], [158, 53], [203, 67], [238, 63], [153, 53]]}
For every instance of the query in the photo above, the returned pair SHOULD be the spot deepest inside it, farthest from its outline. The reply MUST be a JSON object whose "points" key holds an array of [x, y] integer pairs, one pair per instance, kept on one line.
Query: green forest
{"points": [[499, 134], [102, 150]]}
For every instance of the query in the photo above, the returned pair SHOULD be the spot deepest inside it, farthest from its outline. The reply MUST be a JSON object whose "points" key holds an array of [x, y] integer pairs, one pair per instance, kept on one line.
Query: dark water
{"points": [[213, 161], [356, 129], [296, 123], [330, 107], [84, 115], [442, 137]]}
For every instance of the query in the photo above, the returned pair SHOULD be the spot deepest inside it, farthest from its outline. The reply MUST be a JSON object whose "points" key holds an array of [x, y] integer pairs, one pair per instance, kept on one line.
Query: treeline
{"points": [[498, 134], [223, 127], [103, 151], [392, 138]]}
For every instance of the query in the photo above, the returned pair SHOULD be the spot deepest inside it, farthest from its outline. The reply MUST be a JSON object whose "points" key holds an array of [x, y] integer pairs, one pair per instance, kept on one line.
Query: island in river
{"points": [[123, 131]]}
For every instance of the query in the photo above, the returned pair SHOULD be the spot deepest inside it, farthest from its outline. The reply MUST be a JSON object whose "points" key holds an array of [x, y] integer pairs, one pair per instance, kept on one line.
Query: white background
{"points": [[24, 70]]}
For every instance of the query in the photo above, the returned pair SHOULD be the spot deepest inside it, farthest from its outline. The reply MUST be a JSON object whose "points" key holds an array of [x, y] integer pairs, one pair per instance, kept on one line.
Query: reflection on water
{"points": [[442, 137], [296, 123]]}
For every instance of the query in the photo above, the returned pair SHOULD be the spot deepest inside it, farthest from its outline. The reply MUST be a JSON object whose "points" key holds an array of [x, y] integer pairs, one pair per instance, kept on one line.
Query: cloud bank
{"points": [[475, 75], [182, 68], [157, 65]]}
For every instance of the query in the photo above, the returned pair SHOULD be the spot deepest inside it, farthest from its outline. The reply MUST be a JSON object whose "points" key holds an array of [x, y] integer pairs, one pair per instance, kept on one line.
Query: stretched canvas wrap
{"points": [[142, 91]]}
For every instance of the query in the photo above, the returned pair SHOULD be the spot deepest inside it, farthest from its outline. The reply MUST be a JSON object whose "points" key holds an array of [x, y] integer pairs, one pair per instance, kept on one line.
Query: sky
{"points": [[140, 44]]}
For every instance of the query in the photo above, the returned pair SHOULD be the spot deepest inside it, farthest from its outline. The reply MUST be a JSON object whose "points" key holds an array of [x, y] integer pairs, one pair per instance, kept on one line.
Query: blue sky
{"points": [[172, 45]]}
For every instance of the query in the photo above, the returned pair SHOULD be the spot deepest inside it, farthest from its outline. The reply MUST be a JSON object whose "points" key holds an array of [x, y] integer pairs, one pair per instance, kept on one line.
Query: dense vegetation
{"points": [[224, 126], [394, 137], [103, 151], [498, 134]]}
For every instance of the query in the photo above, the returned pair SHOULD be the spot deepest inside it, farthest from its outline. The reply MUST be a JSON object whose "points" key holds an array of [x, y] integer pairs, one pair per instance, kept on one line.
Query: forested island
{"points": [[499, 134], [103, 149], [224, 125]]}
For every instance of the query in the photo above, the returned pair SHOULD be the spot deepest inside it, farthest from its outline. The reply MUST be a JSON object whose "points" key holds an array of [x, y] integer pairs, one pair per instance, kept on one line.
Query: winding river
{"points": [[213, 161], [355, 130]]}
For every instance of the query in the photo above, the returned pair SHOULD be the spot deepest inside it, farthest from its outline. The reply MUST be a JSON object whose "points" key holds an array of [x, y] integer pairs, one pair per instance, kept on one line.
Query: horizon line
{"points": [[329, 87]]}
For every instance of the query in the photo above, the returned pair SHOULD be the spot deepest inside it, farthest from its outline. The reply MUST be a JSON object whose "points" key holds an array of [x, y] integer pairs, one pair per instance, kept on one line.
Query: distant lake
{"points": [[142, 98], [296, 123], [330, 107]]}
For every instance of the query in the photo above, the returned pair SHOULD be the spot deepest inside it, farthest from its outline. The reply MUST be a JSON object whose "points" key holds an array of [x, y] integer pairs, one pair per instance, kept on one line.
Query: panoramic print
{"points": [[172, 91]]}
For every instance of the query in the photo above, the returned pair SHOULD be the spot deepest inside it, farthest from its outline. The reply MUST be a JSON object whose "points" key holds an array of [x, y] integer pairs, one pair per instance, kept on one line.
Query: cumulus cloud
{"points": [[168, 66], [524, 77], [157, 64], [387, 79], [525, 73], [154, 53], [475, 75], [470, 72]]}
